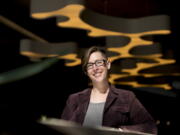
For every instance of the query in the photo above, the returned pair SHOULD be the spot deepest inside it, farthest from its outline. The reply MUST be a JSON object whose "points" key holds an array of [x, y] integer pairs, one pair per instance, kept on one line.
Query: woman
{"points": [[103, 104]]}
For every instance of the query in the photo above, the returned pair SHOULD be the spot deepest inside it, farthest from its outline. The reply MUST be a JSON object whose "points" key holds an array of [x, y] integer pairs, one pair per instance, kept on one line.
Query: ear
{"points": [[108, 64]]}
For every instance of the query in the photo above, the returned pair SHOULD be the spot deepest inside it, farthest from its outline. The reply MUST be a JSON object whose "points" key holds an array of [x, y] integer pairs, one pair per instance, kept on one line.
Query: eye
{"points": [[99, 62], [89, 66]]}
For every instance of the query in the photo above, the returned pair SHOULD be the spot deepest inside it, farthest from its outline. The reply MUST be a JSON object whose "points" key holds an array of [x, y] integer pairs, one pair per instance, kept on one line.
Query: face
{"points": [[97, 67]]}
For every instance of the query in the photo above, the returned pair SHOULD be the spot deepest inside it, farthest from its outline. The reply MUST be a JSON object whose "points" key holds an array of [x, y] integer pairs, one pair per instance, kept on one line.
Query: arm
{"points": [[140, 119], [69, 107]]}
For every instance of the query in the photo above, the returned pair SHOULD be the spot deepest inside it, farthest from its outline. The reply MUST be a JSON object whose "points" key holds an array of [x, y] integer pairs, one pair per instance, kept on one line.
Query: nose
{"points": [[95, 67]]}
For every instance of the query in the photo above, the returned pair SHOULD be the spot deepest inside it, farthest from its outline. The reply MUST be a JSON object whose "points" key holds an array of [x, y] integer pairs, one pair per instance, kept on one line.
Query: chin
{"points": [[98, 79]]}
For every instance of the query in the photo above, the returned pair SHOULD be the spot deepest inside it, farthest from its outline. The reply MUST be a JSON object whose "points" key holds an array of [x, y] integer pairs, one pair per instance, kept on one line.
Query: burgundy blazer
{"points": [[122, 110]]}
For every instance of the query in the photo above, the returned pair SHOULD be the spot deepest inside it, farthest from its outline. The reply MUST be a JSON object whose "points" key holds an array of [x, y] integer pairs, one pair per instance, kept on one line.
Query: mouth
{"points": [[98, 74]]}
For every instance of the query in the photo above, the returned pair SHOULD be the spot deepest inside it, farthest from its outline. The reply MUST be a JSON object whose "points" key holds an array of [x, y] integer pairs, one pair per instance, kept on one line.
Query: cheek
{"points": [[88, 73]]}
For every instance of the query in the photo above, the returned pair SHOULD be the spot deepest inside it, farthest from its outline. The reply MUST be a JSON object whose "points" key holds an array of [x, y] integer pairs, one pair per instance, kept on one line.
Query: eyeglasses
{"points": [[98, 63]]}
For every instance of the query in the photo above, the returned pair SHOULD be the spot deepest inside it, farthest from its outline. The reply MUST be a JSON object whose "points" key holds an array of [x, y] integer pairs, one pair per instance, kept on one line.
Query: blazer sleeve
{"points": [[69, 108], [140, 119]]}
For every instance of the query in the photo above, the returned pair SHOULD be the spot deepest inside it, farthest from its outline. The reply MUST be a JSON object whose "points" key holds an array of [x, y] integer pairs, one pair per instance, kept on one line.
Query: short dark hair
{"points": [[88, 52]]}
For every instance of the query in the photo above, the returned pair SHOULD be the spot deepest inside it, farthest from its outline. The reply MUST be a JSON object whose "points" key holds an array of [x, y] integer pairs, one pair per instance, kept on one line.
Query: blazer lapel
{"points": [[112, 96], [84, 99]]}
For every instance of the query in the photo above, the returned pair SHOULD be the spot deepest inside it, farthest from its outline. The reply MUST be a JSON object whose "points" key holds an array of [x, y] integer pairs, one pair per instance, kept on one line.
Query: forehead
{"points": [[96, 56]]}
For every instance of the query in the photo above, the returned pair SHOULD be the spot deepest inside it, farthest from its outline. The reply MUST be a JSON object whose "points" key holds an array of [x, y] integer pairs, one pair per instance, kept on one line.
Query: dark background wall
{"points": [[24, 101]]}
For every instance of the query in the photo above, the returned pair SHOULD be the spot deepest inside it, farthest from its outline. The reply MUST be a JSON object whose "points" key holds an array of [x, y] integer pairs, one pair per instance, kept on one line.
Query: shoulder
{"points": [[123, 92], [77, 94], [125, 95]]}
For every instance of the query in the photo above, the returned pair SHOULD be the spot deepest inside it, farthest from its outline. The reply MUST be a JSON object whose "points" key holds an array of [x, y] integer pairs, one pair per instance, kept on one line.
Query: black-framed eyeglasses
{"points": [[97, 63]]}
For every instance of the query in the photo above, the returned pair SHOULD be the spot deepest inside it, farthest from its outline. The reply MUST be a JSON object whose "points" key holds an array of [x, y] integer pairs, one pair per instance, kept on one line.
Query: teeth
{"points": [[97, 74]]}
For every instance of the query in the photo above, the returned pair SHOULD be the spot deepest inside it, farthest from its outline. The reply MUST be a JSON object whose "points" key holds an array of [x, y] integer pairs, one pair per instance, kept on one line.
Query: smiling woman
{"points": [[103, 104], [96, 64]]}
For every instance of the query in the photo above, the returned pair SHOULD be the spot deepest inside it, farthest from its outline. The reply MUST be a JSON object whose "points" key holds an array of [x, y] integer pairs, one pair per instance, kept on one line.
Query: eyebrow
{"points": [[97, 60]]}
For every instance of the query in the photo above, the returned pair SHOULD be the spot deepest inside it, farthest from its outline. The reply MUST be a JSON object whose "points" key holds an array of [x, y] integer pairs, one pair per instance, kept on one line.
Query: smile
{"points": [[97, 74]]}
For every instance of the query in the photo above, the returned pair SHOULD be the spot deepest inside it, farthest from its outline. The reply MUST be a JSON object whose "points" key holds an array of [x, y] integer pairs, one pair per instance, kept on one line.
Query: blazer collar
{"points": [[84, 97], [112, 96]]}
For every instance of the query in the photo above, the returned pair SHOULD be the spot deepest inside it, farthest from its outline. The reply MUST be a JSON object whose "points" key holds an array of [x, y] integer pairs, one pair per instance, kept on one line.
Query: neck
{"points": [[101, 87]]}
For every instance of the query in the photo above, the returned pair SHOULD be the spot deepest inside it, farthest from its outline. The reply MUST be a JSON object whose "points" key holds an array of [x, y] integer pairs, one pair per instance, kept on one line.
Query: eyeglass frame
{"points": [[96, 64]]}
